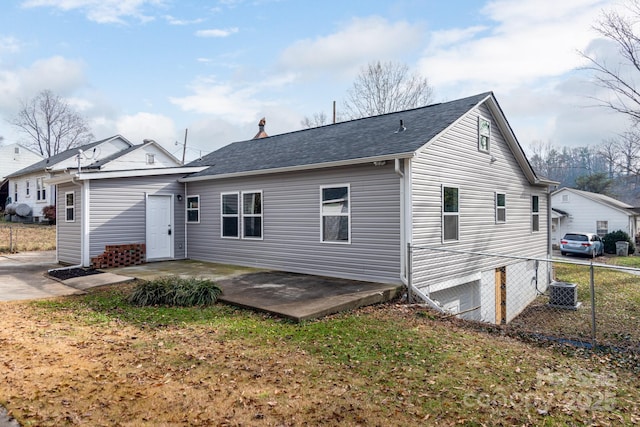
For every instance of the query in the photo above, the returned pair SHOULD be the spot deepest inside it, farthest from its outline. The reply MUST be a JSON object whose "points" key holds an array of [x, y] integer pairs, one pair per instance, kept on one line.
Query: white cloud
{"points": [[141, 126], [60, 75], [176, 21], [217, 32], [101, 11], [236, 102], [530, 39], [360, 41], [9, 45]]}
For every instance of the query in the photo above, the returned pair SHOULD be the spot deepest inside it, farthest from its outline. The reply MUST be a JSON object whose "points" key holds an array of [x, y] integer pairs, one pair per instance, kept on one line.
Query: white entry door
{"points": [[159, 227]]}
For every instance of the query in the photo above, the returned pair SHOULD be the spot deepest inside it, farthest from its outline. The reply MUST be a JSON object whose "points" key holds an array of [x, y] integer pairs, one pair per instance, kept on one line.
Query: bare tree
{"points": [[385, 87], [608, 151], [620, 78], [51, 124], [318, 119], [628, 145]]}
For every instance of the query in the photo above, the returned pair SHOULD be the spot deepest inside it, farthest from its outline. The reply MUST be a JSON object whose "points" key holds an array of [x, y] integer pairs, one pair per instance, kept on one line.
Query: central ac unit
{"points": [[563, 295]]}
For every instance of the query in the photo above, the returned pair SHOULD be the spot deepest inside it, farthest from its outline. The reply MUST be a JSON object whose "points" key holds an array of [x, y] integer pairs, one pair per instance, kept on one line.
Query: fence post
{"points": [[10, 239], [409, 274], [593, 306]]}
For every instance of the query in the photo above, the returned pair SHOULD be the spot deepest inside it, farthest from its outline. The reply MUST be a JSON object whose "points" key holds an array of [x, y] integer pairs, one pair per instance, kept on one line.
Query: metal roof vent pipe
{"points": [[401, 128]]}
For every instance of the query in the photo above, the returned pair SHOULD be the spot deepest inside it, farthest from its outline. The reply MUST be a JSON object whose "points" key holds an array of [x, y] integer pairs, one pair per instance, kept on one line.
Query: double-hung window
{"points": [[28, 188], [535, 213], [41, 192], [242, 215], [230, 215], [335, 212], [450, 213], [501, 207], [15, 192], [193, 209], [69, 206], [484, 134], [602, 228], [252, 214]]}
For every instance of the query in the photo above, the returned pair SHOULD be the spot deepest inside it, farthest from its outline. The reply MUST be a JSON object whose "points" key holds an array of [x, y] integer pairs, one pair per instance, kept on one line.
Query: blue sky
{"points": [[152, 68]]}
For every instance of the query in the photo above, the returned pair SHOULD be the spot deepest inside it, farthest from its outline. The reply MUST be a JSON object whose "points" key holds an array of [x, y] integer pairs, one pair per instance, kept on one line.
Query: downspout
{"points": [[186, 255], [550, 273], [406, 240], [403, 231]]}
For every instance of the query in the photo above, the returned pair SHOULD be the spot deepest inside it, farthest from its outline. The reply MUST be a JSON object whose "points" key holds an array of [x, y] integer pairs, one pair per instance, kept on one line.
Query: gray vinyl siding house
{"points": [[291, 238], [347, 200], [461, 282], [111, 209]]}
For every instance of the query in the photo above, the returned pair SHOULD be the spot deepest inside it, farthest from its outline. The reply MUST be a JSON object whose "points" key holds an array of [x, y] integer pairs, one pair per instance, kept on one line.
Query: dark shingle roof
{"points": [[51, 161], [357, 139]]}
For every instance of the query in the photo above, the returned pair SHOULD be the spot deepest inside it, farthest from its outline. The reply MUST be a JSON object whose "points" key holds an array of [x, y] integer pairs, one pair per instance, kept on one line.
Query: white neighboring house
{"points": [[29, 185], [13, 157], [582, 211]]}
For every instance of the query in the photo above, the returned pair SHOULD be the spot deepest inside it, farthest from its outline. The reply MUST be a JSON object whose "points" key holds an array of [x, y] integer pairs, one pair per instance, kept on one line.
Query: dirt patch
{"points": [[70, 273]]}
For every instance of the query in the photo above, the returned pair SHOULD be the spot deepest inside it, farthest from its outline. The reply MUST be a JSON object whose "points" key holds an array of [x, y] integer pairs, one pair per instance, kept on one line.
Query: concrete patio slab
{"points": [[295, 296], [94, 280]]}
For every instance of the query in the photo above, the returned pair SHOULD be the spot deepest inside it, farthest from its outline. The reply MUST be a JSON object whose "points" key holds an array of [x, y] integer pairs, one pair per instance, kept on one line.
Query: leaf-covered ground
{"points": [[95, 360]]}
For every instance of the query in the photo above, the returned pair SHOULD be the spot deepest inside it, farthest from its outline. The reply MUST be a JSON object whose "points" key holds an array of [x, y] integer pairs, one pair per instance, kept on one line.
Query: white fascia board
{"points": [[300, 167], [139, 172], [82, 176]]}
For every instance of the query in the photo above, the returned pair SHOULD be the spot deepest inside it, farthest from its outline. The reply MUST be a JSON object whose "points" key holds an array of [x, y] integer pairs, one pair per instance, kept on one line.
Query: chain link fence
{"points": [[26, 237], [579, 302], [8, 238]]}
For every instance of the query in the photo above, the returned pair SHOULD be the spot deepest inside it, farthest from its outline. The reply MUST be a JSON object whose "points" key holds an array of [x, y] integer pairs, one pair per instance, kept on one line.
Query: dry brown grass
{"points": [[26, 237]]}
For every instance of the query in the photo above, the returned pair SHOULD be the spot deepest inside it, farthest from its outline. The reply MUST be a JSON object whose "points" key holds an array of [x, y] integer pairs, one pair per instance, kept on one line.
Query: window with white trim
{"points": [[450, 214], [41, 191], [193, 209], [15, 192], [252, 214], [501, 207], [535, 213], [230, 215], [335, 212], [602, 228], [69, 206], [28, 188], [484, 134]]}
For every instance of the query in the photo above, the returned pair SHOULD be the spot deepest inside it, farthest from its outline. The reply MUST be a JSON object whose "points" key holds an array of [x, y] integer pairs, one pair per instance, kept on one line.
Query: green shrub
{"points": [[175, 291], [617, 236]]}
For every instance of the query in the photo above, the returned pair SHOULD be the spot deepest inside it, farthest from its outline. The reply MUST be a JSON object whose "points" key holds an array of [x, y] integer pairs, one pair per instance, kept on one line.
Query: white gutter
{"points": [[297, 168]]}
